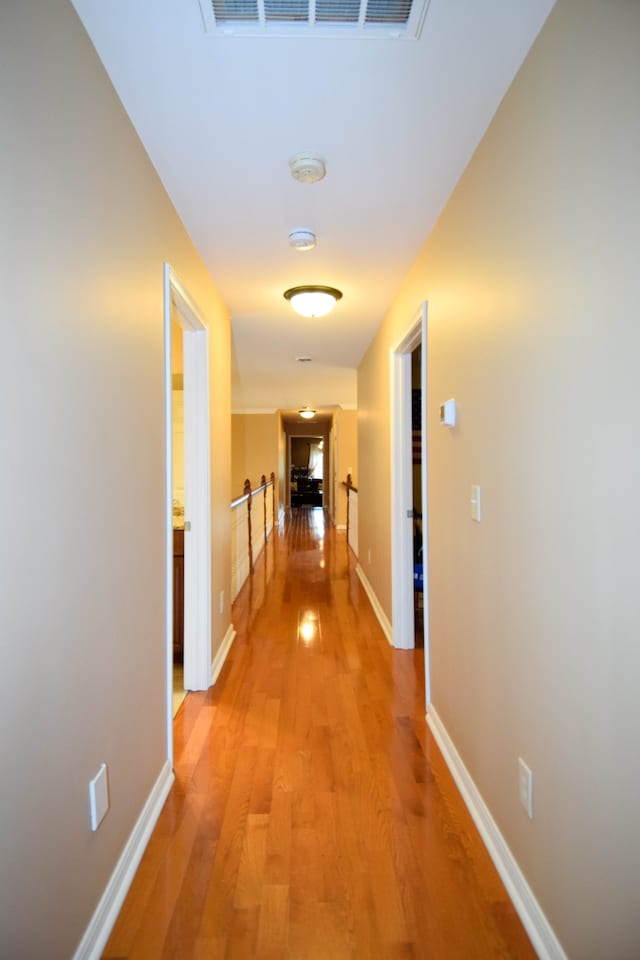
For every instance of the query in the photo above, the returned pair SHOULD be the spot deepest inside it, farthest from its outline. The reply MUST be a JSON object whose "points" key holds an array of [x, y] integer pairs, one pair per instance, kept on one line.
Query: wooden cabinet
{"points": [[178, 595]]}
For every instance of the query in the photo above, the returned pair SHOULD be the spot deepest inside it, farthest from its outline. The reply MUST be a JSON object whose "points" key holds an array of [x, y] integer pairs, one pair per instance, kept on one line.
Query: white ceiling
{"points": [[396, 120]]}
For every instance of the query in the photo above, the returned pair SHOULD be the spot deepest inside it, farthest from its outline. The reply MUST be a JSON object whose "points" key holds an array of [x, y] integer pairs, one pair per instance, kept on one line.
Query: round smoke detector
{"points": [[306, 168], [302, 239]]}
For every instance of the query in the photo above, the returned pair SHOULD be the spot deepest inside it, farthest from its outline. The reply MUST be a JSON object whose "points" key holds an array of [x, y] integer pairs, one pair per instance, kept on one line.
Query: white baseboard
{"points": [[375, 603], [220, 657], [106, 913], [541, 934]]}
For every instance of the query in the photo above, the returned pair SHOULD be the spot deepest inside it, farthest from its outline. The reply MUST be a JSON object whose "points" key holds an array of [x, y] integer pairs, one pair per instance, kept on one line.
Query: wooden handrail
{"points": [[247, 497], [247, 493], [243, 496], [263, 481], [273, 497], [350, 488], [349, 485], [248, 539]]}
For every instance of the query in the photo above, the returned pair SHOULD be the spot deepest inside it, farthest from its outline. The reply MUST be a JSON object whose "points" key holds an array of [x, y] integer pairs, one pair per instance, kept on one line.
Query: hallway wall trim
{"points": [[540, 931], [97, 933], [218, 661], [383, 620]]}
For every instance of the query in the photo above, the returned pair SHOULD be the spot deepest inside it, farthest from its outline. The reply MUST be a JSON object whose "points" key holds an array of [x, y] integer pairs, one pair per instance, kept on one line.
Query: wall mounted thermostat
{"points": [[448, 413]]}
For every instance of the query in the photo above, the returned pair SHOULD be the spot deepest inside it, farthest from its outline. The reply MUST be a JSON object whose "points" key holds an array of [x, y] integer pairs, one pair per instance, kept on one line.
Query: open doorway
{"points": [[404, 502], [416, 456], [306, 471], [177, 503], [189, 523]]}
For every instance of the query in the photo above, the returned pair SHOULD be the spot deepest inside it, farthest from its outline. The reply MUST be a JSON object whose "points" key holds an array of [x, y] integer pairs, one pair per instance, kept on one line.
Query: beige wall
{"points": [[82, 619], [283, 482], [254, 448], [532, 281], [346, 425]]}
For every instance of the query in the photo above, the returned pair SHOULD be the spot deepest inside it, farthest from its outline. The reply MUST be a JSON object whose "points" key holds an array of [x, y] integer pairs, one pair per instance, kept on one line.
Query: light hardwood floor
{"points": [[179, 692], [313, 817]]}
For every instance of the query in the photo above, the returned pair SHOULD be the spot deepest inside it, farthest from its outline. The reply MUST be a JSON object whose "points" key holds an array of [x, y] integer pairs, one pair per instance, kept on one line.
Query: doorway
{"points": [[403, 505], [179, 307], [177, 494], [416, 456], [306, 471]]}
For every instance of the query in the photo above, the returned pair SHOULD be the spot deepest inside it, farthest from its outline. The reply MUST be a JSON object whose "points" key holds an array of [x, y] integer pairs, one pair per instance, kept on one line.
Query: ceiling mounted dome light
{"points": [[302, 239], [307, 168], [311, 300], [306, 413]]}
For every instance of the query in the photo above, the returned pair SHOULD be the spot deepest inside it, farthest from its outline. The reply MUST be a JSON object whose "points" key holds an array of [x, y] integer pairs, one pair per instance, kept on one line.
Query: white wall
{"points": [[346, 453], [86, 227], [532, 280]]}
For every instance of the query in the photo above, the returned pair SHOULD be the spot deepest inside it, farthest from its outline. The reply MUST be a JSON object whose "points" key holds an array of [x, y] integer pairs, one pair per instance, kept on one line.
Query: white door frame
{"points": [[197, 491], [403, 627], [334, 438]]}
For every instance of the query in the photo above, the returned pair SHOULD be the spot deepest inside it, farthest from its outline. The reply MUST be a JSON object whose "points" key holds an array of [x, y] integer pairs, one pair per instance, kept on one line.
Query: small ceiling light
{"points": [[307, 168], [311, 300], [303, 359], [306, 413], [302, 239]]}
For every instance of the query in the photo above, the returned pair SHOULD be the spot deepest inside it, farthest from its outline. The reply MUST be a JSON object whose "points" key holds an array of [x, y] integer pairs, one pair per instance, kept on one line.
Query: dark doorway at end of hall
{"points": [[307, 472]]}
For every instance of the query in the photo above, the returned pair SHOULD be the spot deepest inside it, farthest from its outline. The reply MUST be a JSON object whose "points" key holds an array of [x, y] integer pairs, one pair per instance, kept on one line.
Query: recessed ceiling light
{"points": [[302, 239], [303, 359]]}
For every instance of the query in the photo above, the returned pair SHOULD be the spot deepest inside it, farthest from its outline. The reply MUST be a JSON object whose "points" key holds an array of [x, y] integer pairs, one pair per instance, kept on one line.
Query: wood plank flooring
{"points": [[313, 817]]}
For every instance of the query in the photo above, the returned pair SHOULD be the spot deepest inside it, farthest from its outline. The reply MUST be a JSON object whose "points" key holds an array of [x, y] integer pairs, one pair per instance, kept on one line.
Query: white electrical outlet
{"points": [[525, 787], [99, 797], [222, 601]]}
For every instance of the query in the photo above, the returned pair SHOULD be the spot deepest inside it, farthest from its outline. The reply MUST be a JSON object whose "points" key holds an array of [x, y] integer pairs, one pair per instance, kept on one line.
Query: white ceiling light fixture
{"points": [[307, 168], [306, 413], [302, 240], [312, 300]]}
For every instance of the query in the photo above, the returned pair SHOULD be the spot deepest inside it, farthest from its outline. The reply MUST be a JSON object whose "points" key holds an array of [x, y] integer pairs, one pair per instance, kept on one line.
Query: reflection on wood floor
{"points": [[312, 815], [179, 692]]}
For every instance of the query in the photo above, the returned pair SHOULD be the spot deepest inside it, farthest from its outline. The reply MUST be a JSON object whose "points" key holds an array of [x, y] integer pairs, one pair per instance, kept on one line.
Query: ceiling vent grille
{"points": [[314, 18]]}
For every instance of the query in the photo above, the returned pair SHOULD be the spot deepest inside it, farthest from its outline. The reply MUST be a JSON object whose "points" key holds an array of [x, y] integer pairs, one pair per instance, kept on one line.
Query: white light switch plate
{"points": [[525, 786], [99, 796]]}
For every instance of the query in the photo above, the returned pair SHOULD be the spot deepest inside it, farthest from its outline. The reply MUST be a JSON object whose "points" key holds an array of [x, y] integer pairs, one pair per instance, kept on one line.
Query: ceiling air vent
{"points": [[314, 18]]}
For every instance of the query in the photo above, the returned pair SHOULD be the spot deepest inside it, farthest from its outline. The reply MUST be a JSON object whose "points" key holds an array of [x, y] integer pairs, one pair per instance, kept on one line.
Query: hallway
{"points": [[313, 817]]}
